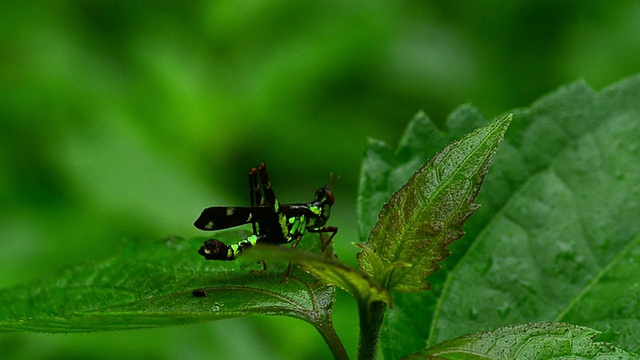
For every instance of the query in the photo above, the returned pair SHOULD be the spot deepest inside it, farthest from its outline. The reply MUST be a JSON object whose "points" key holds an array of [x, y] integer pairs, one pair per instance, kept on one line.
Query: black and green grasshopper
{"points": [[272, 222]]}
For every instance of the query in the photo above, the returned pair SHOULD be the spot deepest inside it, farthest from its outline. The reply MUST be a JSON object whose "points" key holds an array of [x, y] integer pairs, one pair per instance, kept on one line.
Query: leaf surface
{"points": [[558, 234], [328, 271], [150, 283], [544, 341]]}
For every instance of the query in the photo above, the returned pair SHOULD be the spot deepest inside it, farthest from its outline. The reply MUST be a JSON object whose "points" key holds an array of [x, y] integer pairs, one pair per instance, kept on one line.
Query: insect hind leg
{"points": [[255, 198], [254, 194], [214, 249], [270, 199]]}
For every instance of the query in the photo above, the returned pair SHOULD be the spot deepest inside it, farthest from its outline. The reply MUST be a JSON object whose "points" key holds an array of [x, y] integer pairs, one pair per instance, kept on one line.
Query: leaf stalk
{"points": [[371, 316]]}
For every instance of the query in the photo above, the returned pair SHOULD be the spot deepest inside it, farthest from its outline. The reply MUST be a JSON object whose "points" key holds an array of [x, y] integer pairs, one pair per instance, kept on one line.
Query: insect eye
{"points": [[325, 195], [329, 196]]}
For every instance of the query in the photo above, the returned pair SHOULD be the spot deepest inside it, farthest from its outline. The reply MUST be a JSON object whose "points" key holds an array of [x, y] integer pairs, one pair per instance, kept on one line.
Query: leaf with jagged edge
{"points": [[427, 213], [558, 237], [527, 341]]}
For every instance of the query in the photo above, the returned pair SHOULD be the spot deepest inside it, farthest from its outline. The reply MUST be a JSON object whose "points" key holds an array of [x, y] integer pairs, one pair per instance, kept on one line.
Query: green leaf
{"points": [[150, 285], [427, 213], [527, 341], [558, 236], [328, 271], [385, 170]]}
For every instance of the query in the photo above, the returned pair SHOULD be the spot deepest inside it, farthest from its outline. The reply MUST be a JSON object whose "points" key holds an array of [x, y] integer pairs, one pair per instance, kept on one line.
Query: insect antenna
{"points": [[331, 185]]}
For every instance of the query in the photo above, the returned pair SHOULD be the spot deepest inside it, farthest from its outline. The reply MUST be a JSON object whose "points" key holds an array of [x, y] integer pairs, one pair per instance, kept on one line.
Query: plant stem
{"points": [[371, 316], [332, 340]]}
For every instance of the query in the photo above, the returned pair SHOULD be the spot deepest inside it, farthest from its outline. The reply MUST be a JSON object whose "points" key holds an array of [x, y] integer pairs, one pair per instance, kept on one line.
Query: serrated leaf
{"points": [[427, 213], [544, 341], [150, 285], [328, 271], [385, 170], [558, 238]]}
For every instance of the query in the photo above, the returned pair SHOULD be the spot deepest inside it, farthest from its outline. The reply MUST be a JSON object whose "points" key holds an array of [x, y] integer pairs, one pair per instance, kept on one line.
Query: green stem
{"points": [[332, 340], [371, 316]]}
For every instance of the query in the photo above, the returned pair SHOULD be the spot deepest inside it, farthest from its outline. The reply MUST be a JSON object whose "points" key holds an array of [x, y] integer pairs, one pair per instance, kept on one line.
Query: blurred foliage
{"points": [[125, 119]]}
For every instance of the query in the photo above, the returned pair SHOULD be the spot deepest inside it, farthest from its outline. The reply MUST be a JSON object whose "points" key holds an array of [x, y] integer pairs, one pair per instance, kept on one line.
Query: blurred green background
{"points": [[123, 119]]}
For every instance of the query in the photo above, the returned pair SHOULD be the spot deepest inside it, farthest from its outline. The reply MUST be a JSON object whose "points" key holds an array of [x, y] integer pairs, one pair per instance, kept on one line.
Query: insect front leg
{"points": [[333, 230], [295, 241]]}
